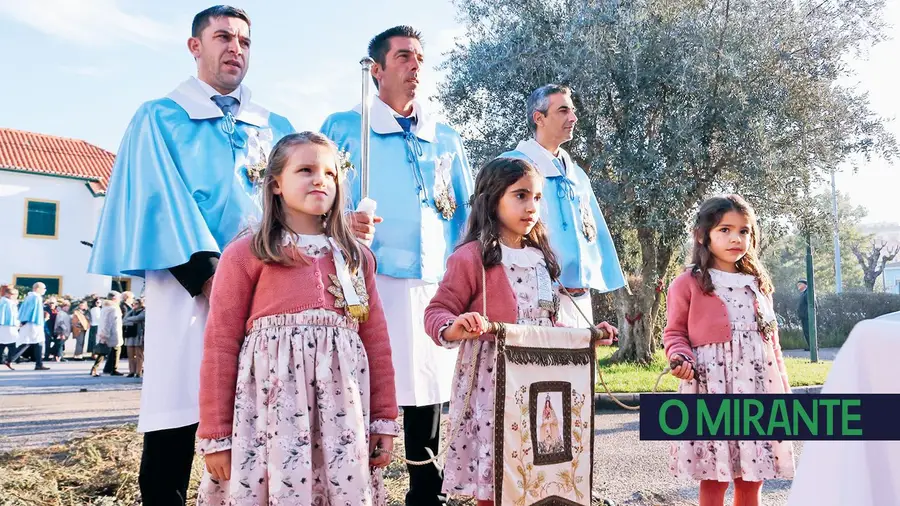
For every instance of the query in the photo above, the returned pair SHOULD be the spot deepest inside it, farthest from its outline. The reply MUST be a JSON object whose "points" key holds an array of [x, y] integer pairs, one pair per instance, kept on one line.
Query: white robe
{"points": [[30, 333], [422, 370], [173, 350], [173, 343], [858, 473]]}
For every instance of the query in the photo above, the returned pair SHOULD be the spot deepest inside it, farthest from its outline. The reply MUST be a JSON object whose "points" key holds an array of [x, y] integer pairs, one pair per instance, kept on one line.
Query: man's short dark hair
{"points": [[201, 20], [381, 43]]}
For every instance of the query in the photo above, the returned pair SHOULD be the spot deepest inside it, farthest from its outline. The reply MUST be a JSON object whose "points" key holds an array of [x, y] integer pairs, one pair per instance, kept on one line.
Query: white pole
{"points": [[837, 238]]}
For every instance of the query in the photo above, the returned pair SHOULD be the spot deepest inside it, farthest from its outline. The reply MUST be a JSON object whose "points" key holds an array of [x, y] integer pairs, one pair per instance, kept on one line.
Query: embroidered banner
{"points": [[544, 416]]}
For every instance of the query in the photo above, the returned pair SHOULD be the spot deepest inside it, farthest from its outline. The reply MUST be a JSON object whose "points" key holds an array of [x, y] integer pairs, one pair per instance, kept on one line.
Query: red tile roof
{"points": [[57, 156]]}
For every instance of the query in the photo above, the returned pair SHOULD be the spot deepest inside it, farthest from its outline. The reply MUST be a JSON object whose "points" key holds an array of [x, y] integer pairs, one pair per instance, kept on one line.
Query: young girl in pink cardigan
{"points": [[506, 239], [721, 325], [297, 402]]}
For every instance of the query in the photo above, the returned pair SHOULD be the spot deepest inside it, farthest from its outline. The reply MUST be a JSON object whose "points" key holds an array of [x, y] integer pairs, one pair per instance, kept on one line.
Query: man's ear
{"points": [[538, 118], [193, 44]]}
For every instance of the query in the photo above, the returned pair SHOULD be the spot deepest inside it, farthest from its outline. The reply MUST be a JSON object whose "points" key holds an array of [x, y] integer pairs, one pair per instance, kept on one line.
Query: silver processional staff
{"points": [[366, 204]]}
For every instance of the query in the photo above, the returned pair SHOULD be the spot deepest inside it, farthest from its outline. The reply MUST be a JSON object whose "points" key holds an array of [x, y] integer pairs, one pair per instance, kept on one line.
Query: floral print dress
{"points": [[746, 365], [301, 414], [469, 468]]}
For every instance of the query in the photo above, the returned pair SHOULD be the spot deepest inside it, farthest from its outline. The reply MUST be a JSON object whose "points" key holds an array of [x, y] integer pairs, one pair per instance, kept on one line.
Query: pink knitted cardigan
{"points": [[245, 289]]}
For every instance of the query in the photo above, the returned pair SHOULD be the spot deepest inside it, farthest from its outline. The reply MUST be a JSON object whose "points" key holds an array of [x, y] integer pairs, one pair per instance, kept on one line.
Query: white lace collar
{"points": [[722, 279], [731, 279], [528, 256], [305, 240]]}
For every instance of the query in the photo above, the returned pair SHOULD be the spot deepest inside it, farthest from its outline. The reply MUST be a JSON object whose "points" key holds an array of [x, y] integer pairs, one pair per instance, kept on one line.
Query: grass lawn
{"points": [[630, 378]]}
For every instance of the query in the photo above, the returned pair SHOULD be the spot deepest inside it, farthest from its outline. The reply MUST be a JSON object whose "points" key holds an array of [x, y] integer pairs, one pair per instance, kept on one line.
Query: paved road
{"points": [[43, 407], [39, 408], [634, 472], [824, 353]]}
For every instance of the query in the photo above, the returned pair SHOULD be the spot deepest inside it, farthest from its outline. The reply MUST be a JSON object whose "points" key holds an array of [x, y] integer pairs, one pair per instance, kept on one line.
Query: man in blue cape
{"points": [[421, 182], [31, 335], [183, 186], [578, 232]]}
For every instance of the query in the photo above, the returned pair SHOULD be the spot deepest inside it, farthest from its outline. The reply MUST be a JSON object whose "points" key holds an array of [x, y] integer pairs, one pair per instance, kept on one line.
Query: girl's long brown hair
{"points": [[266, 241], [708, 217], [484, 224]]}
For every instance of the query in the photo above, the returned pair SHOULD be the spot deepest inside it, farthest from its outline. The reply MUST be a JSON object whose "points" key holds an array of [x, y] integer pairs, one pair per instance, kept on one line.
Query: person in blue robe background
{"points": [[183, 186], [421, 182], [9, 323], [31, 333], [578, 232]]}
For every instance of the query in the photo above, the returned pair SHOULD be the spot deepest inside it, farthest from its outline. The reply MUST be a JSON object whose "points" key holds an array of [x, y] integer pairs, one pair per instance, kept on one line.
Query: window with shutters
{"points": [[53, 283], [41, 219]]}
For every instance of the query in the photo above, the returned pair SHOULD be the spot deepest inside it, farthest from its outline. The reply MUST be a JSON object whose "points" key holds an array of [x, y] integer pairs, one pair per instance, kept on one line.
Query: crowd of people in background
{"points": [[99, 326]]}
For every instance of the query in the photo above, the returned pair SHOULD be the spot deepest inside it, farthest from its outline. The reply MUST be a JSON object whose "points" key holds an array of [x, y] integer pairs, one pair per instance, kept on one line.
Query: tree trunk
{"points": [[637, 312], [635, 325], [869, 281]]}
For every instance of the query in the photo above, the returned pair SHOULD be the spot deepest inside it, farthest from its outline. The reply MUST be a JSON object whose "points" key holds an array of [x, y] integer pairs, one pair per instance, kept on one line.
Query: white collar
{"points": [[543, 158], [211, 92], [382, 120], [528, 256], [722, 279], [193, 96], [303, 240]]}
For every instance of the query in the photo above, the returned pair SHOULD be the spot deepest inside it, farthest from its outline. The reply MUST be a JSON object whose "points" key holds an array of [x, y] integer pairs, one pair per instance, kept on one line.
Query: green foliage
{"points": [[785, 254], [836, 314]]}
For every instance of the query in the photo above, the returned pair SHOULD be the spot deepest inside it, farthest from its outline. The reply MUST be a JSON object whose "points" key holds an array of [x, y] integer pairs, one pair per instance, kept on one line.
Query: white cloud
{"points": [[89, 22]]}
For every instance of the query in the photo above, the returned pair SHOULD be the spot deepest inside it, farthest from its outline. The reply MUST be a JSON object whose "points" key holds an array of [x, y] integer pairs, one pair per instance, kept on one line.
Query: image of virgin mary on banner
{"points": [[544, 416]]}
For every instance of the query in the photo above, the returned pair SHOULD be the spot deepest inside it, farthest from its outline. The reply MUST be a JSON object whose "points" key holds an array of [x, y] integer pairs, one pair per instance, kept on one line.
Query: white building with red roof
{"points": [[51, 194]]}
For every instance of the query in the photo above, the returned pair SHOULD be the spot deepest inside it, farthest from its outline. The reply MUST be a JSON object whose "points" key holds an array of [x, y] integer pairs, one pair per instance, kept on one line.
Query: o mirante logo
{"points": [[864, 417]]}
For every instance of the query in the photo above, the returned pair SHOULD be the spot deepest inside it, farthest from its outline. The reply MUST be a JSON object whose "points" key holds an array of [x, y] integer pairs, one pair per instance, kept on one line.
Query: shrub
{"points": [[836, 315]]}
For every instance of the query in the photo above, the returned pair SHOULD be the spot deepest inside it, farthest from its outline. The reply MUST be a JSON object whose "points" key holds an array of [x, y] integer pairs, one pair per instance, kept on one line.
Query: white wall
{"points": [[891, 278], [65, 256]]}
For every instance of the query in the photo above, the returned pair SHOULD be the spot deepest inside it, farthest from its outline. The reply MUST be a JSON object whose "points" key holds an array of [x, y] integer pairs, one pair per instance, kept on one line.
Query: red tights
{"points": [[746, 493]]}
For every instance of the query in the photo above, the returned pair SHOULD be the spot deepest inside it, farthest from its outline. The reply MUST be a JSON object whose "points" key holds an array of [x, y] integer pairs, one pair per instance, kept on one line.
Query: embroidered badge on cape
{"points": [[345, 166], [444, 199], [588, 225], [259, 144]]}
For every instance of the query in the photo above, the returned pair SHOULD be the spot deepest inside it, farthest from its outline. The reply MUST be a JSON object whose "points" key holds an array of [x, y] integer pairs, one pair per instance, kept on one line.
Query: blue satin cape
{"points": [[179, 186], [414, 240], [32, 309], [8, 313], [584, 264]]}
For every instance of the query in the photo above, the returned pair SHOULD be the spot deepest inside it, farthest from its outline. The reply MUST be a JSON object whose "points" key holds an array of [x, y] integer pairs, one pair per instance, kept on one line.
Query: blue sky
{"points": [[80, 68]]}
